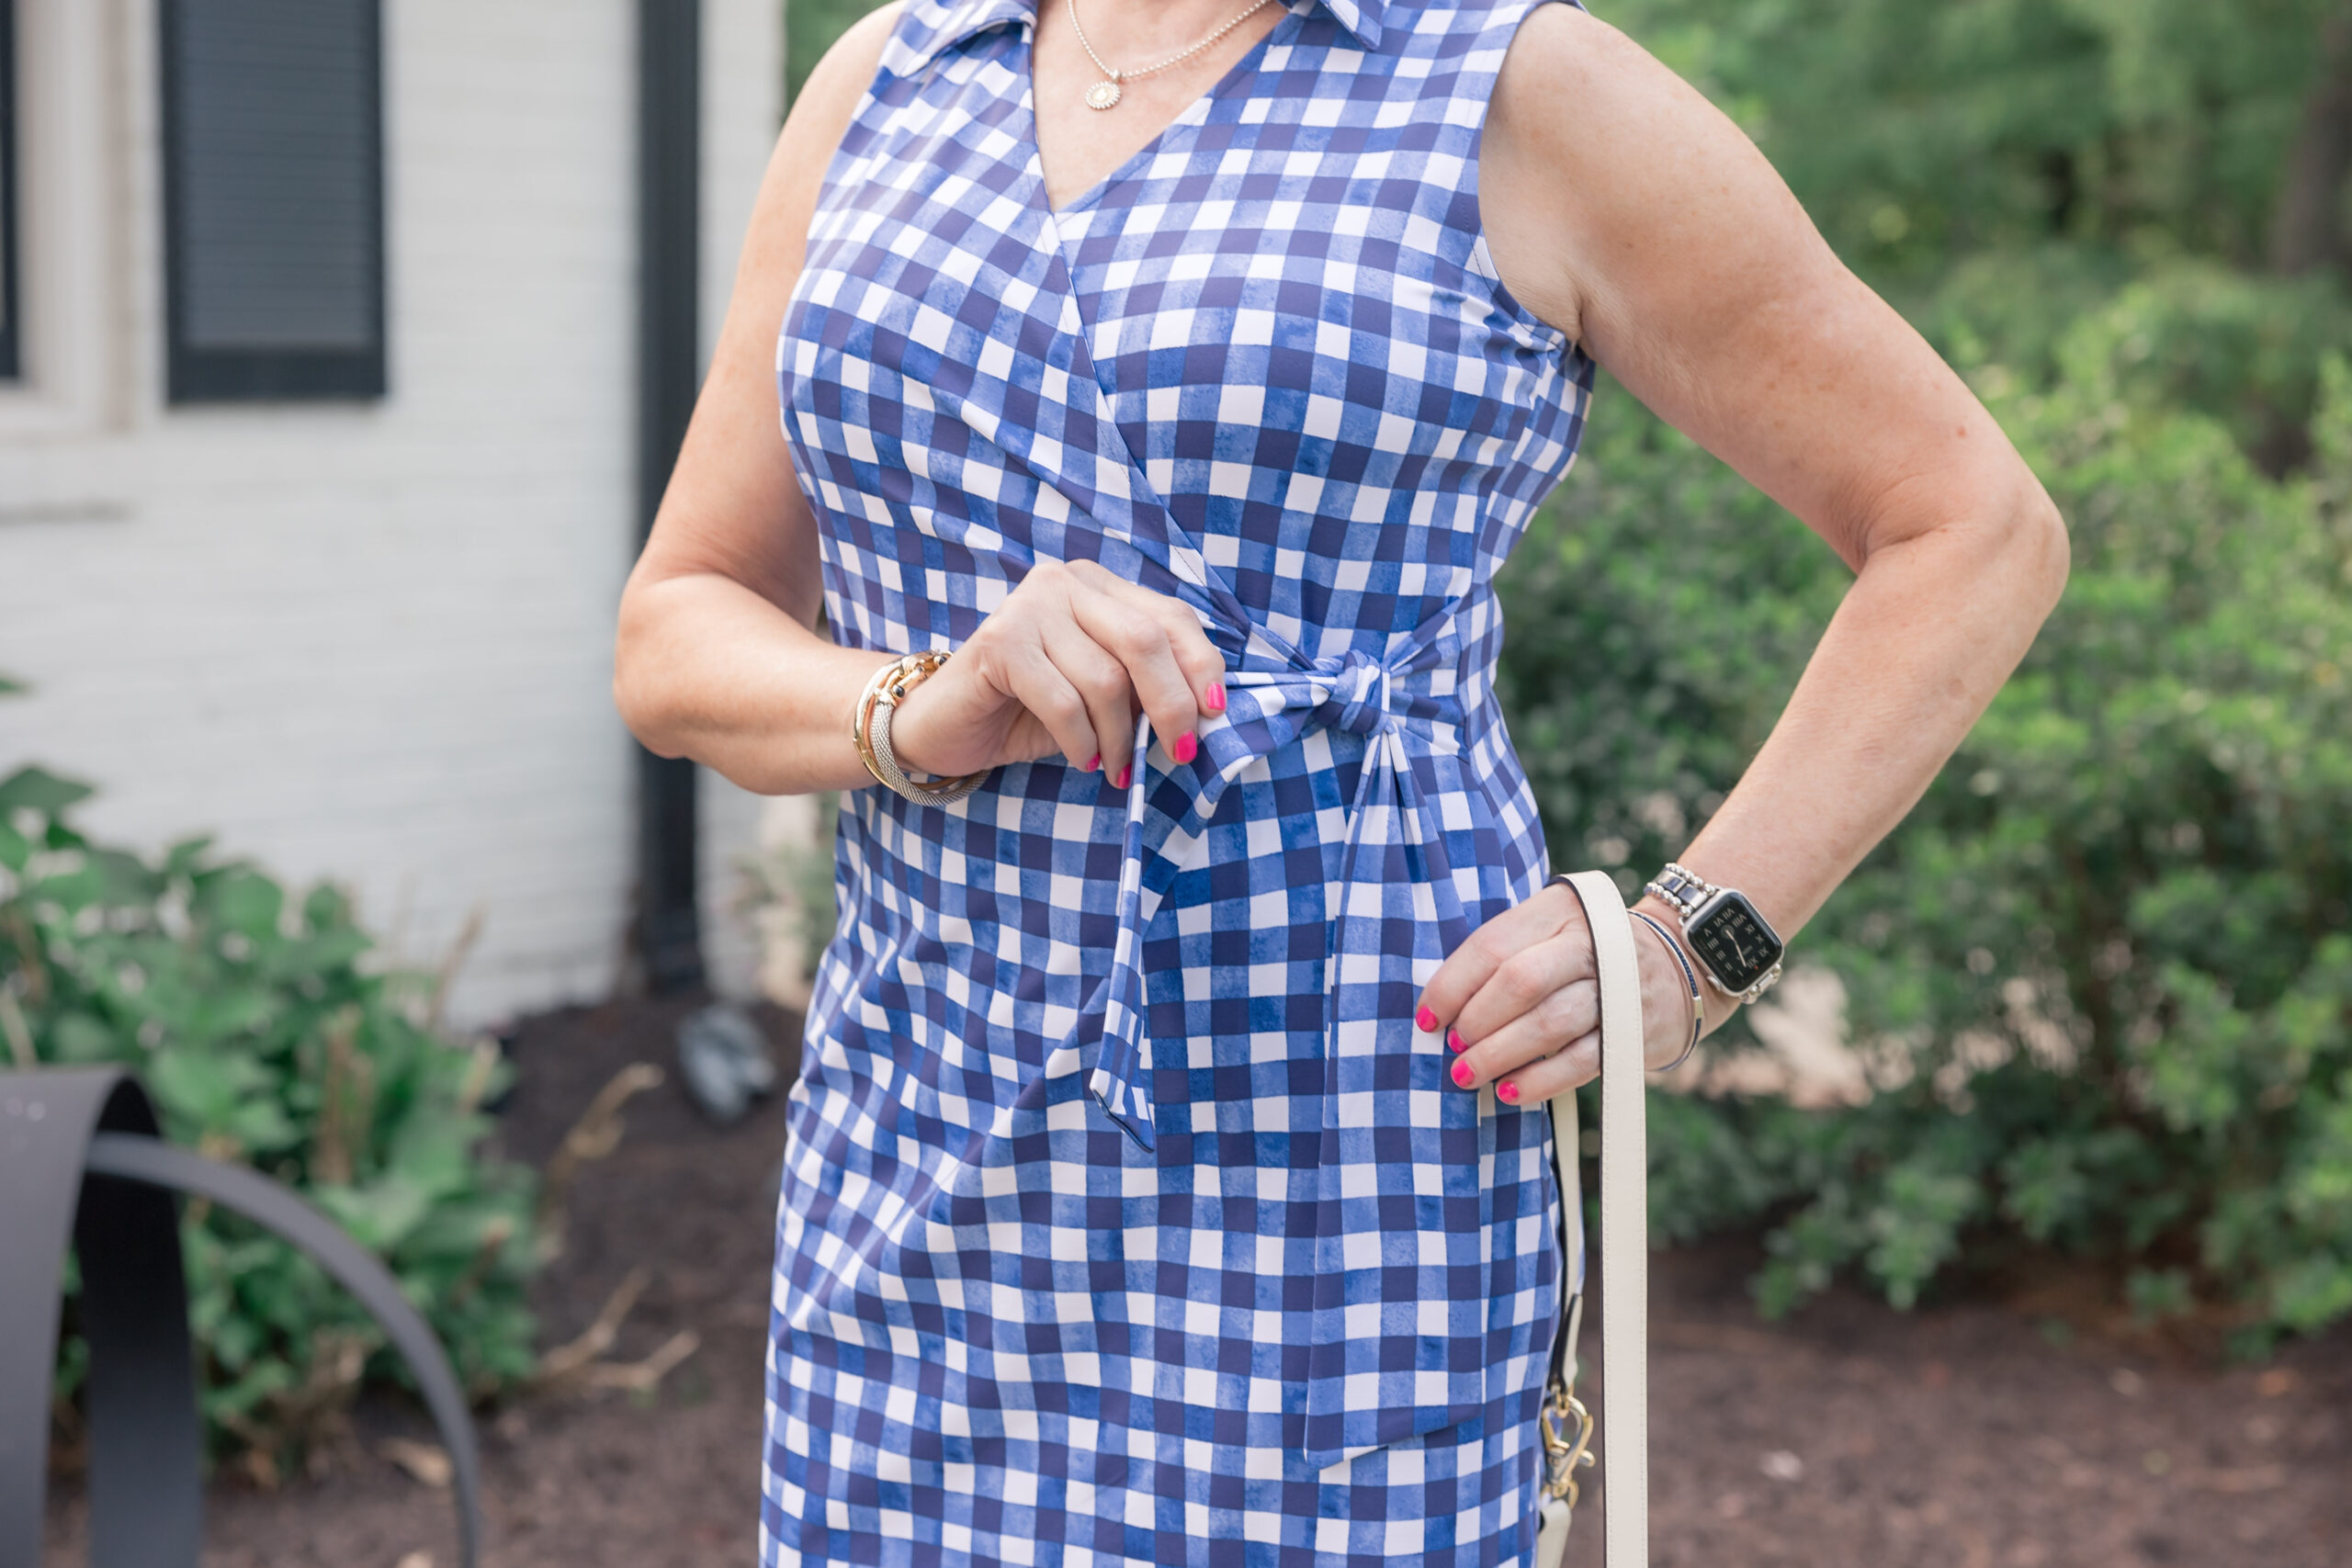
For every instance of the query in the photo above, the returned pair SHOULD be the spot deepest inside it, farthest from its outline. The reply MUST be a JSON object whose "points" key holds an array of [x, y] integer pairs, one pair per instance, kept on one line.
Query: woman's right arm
{"points": [[718, 656]]}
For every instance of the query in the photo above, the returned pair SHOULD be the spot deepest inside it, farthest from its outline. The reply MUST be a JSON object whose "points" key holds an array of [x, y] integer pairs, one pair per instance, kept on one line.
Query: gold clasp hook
{"points": [[1563, 1457]]}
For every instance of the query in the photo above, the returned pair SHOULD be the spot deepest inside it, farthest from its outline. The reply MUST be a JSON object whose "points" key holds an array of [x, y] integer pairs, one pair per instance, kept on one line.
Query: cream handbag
{"points": [[1567, 1429]]}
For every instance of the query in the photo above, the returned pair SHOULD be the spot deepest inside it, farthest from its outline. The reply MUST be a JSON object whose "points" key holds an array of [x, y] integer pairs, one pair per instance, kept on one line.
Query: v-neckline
{"points": [[1149, 527], [1092, 195]]}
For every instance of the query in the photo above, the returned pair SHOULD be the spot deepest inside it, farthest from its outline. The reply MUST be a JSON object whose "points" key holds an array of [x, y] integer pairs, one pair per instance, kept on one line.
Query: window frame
{"points": [[195, 375], [12, 343]]}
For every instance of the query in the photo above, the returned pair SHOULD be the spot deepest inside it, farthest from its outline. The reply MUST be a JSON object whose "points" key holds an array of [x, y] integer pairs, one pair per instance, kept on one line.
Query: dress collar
{"points": [[934, 25]]}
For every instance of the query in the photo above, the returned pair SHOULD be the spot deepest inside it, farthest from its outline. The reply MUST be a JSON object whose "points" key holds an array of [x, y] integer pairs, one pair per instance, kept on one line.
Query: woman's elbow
{"points": [[2040, 544], [640, 692]]}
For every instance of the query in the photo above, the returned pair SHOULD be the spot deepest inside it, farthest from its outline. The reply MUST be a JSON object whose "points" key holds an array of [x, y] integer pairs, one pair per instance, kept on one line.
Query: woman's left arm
{"points": [[1623, 208]]}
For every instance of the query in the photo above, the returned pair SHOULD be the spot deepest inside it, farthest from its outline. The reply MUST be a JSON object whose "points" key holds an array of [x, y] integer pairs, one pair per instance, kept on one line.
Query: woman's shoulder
{"points": [[845, 71], [1591, 151], [824, 109]]}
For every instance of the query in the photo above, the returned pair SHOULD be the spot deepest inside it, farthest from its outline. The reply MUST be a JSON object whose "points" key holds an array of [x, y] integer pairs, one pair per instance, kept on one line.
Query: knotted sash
{"points": [[1399, 1327], [1389, 832]]}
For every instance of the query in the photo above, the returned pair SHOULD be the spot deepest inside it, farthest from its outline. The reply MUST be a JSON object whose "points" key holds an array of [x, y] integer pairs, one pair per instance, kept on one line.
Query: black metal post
{"points": [[668, 178]]}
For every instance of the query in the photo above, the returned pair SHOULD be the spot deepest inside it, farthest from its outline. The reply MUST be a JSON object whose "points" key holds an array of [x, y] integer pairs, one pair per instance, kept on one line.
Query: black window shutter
{"points": [[272, 178]]}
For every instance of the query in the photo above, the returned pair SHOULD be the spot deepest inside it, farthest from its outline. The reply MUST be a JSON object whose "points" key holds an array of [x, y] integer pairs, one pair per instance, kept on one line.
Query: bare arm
{"points": [[1623, 208], [718, 656]]}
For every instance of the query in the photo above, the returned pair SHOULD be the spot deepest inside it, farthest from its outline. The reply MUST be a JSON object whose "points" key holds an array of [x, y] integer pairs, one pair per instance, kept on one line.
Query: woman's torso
{"points": [[1112, 1110]]}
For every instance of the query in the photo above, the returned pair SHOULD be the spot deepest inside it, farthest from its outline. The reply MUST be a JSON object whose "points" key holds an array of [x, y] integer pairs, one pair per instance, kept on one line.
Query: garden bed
{"points": [[1994, 1433]]}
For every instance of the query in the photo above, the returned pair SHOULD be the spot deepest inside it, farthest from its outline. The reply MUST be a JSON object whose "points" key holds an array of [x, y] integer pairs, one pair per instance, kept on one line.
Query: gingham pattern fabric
{"points": [[1128, 1218]]}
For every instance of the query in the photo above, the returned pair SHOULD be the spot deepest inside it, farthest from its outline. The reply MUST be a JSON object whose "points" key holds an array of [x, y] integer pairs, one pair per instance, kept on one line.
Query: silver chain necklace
{"points": [[1106, 94]]}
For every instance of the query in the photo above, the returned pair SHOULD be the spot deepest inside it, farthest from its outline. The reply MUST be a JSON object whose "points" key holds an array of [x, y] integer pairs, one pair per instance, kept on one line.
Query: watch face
{"points": [[1734, 942]]}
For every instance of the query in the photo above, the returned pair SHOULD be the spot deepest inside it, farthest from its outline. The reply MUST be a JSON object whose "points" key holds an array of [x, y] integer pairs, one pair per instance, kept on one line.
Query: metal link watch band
{"points": [[1688, 893], [1682, 887]]}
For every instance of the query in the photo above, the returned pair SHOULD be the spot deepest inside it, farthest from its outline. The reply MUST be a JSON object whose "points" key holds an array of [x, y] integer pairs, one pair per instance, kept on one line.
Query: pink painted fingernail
{"points": [[1462, 1075], [1426, 1021], [1508, 1092], [1455, 1042], [1126, 772], [1214, 701], [1092, 762], [1187, 746]]}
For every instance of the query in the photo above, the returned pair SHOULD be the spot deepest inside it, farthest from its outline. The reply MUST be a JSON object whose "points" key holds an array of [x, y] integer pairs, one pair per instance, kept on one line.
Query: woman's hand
{"points": [[1519, 1001], [1061, 666]]}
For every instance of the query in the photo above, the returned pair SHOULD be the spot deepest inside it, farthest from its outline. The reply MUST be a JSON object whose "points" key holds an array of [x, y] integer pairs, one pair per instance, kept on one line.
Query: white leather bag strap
{"points": [[1624, 1221]]}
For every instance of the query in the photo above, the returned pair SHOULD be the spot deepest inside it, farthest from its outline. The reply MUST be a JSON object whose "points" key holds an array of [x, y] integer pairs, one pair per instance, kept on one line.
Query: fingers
{"points": [[1445, 1003], [1526, 983], [1038, 683], [1567, 1013], [1082, 649], [1173, 670], [1576, 1062], [1196, 656], [1519, 1003], [1102, 684]]}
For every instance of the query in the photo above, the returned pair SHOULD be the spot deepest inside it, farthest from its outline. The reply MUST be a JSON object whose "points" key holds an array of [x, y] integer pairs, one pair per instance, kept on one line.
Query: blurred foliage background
{"points": [[2101, 978], [268, 1033]]}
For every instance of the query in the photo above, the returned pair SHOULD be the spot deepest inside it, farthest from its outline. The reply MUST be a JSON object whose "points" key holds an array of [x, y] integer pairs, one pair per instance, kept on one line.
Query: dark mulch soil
{"points": [[1966, 1436]]}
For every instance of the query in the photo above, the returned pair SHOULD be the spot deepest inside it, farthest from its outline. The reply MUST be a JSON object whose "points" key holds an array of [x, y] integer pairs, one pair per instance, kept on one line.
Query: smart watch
{"points": [[1736, 945]]}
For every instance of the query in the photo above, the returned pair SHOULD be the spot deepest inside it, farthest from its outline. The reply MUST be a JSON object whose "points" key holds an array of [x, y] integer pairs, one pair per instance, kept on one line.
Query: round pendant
{"points": [[1102, 96]]}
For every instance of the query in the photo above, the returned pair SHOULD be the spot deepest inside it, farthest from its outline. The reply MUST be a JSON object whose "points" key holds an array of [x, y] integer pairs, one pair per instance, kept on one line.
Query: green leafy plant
{"points": [[788, 897], [265, 1037], [2105, 968], [2100, 975]]}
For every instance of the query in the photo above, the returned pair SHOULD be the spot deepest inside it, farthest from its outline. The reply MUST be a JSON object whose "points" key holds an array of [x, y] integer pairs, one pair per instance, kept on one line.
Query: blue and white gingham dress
{"points": [[1128, 1218]]}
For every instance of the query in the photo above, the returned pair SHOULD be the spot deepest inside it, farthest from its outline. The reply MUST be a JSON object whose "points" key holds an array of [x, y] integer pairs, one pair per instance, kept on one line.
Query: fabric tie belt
{"points": [[1389, 828], [1399, 1340]]}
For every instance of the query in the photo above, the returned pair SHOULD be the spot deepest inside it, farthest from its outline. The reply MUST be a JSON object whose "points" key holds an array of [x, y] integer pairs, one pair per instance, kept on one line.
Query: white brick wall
{"points": [[368, 641]]}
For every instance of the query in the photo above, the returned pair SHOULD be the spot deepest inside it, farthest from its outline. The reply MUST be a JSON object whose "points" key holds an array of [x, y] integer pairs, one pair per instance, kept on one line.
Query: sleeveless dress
{"points": [[1127, 1217]]}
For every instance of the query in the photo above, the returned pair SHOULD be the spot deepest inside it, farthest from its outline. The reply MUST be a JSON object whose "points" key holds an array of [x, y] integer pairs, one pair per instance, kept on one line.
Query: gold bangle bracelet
{"points": [[885, 690]]}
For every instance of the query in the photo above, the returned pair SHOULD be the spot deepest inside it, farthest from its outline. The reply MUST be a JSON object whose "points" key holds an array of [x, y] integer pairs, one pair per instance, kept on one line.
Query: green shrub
{"points": [[2106, 965], [265, 1037]]}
